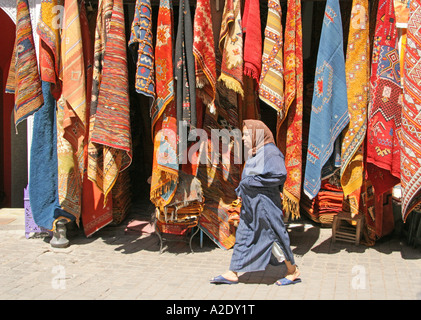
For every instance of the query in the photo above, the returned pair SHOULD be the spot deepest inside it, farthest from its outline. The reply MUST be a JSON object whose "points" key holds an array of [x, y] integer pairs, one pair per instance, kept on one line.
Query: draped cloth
{"points": [[111, 128], [358, 73], [49, 51], [411, 115], [329, 114], [220, 178], [141, 34], [261, 225], [231, 47], [290, 123], [384, 115], [204, 53], [184, 73], [72, 75], [72, 107], [23, 80], [95, 215], [165, 161], [164, 60], [271, 86], [252, 40], [43, 180]]}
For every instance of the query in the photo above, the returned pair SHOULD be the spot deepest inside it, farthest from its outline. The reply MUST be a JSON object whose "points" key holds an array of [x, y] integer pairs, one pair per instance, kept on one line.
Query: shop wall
{"points": [[13, 154]]}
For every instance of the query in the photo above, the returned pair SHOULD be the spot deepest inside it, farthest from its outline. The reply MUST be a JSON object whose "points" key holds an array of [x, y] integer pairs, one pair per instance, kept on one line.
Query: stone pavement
{"points": [[114, 265]]}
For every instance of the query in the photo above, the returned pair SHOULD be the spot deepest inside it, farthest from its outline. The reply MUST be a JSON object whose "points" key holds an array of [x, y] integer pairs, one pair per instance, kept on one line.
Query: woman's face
{"points": [[247, 138]]}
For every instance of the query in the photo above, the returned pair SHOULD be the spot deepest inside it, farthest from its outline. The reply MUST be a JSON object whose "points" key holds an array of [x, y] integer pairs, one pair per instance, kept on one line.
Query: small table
{"points": [[171, 237]]}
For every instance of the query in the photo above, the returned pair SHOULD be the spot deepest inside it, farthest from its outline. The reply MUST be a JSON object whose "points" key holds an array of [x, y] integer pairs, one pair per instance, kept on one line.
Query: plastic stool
{"points": [[343, 228]]}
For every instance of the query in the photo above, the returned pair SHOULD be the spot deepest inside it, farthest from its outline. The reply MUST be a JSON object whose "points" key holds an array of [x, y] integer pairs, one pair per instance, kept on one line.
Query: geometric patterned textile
{"points": [[204, 52], [24, 80], [411, 115], [141, 34], [357, 71], [72, 74], [271, 88], [165, 162], [384, 114], [111, 129], [329, 114], [231, 47], [164, 61], [49, 44], [291, 121]]}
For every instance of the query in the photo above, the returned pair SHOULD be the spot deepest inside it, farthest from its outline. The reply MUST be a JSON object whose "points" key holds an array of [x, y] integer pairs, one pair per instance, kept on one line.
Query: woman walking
{"points": [[261, 234]]}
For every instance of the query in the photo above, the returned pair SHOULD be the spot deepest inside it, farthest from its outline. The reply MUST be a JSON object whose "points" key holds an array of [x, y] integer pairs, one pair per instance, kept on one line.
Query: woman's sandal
{"points": [[285, 281], [222, 280]]}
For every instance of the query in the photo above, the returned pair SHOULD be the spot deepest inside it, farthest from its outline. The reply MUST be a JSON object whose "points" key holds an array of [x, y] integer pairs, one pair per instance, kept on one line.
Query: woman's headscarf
{"points": [[260, 134]]}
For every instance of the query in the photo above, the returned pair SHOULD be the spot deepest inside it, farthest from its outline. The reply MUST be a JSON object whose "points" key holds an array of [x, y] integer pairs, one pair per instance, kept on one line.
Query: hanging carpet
{"points": [[384, 116], [184, 69], [358, 72], [329, 114], [43, 180], [411, 115], [49, 48], [290, 124], [231, 47], [141, 35], [23, 80], [204, 53], [164, 117]]}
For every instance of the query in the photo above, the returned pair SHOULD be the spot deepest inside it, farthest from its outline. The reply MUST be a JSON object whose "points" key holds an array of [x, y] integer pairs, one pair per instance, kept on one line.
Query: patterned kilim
{"points": [[271, 87], [112, 119], [384, 115], [252, 40], [165, 160], [329, 114], [358, 73], [23, 79], [141, 34], [163, 61], [220, 180], [50, 44], [72, 74], [411, 115], [291, 121], [95, 214], [70, 174], [184, 72], [204, 53], [231, 47]]}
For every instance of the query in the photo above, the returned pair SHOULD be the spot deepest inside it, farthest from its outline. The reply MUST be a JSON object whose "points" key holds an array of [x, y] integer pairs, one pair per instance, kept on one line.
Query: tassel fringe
{"points": [[232, 84]]}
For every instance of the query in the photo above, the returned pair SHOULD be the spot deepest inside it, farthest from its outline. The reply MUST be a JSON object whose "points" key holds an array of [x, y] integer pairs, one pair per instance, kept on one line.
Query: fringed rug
{"points": [[329, 114], [23, 80], [358, 72], [384, 116], [231, 47], [290, 125], [164, 117], [204, 53], [141, 42], [411, 115]]}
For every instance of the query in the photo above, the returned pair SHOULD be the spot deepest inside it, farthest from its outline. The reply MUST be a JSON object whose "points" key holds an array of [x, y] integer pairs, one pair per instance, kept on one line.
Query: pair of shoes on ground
{"points": [[281, 282]]}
